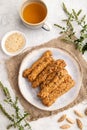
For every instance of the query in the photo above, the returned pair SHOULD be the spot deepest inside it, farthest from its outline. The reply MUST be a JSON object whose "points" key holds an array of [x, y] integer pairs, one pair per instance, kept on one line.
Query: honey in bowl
{"points": [[34, 12]]}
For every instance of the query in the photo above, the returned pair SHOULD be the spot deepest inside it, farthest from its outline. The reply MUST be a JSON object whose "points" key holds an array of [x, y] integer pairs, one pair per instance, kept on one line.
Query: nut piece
{"points": [[78, 113], [65, 126], [62, 118], [85, 111], [70, 120], [79, 123]]}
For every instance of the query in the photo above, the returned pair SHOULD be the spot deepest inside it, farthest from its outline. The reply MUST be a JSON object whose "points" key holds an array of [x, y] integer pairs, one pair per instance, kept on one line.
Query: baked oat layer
{"points": [[60, 90], [52, 67], [57, 80], [35, 64], [39, 68]]}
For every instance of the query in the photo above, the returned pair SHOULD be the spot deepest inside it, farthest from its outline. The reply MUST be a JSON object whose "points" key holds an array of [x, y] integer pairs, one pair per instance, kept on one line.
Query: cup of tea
{"points": [[34, 13]]}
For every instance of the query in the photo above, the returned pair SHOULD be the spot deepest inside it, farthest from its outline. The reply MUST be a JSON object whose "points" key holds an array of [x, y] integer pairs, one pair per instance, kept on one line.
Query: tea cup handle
{"points": [[46, 27]]}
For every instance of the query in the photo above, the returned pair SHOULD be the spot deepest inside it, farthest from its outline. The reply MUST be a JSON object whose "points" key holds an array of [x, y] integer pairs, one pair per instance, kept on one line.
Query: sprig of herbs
{"points": [[69, 30], [17, 118]]}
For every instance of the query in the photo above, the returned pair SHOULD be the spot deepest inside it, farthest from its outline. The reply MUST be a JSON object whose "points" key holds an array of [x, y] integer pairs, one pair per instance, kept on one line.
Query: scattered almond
{"points": [[79, 114], [65, 126], [70, 120], [62, 118], [79, 123], [85, 112]]}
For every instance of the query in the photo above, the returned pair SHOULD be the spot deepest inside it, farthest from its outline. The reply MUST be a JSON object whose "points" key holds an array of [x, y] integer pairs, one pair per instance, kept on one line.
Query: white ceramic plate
{"points": [[30, 94]]}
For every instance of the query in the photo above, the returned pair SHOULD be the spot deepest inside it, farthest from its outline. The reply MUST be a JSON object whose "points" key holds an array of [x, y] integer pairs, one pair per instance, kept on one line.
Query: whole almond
{"points": [[79, 124], [70, 120], [85, 112], [62, 118], [65, 126], [79, 114]]}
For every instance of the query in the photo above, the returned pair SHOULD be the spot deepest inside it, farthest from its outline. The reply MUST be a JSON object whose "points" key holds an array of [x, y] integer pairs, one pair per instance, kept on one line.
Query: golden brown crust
{"points": [[48, 80], [40, 60], [61, 89], [26, 73], [58, 79], [39, 68], [41, 77], [52, 67]]}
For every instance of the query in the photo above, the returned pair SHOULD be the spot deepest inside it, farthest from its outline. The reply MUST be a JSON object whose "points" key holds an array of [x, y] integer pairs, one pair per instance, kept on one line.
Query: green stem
{"points": [[5, 113], [9, 126], [65, 9], [68, 30], [5, 90], [18, 122], [59, 26], [79, 12], [17, 118], [22, 118]]}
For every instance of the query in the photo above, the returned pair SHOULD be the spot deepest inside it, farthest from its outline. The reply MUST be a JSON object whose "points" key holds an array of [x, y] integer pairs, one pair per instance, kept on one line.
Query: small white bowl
{"points": [[4, 40]]}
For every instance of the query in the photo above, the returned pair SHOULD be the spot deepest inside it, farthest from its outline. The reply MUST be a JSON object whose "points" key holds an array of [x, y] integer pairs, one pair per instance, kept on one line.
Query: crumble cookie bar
{"points": [[39, 68], [40, 60], [52, 67], [41, 77], [51, 77], [61, 89], [48, 80], [58, 79]]}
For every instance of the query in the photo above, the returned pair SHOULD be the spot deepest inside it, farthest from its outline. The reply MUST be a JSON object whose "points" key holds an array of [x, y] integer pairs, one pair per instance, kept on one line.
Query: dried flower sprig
{"points": [[16, 118], [69, 30]]}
